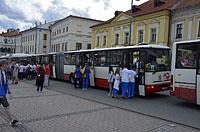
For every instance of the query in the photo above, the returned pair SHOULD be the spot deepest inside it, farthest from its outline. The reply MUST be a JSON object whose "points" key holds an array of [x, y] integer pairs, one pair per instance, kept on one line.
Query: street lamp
{"points": [[36, 38], [131, 21]]}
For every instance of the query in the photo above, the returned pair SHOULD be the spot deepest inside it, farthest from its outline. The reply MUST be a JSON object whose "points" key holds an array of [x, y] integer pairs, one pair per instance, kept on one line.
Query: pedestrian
{"points": [[47, 74], [15, 72], [125, 81], [115, 89], [132, 76], [40, 78], [4, 90], [110, 79], [21, 70], [77, 77], [86, 76]]}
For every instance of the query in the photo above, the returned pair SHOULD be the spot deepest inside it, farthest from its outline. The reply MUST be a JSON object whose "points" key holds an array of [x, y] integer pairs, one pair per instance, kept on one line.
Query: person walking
{"points": [[132, 76], [116, 83], [4, 90], [86, 76], [125, 81], [46, 75], [40, 78], [15, 72], [110, 79], [77, 77]]}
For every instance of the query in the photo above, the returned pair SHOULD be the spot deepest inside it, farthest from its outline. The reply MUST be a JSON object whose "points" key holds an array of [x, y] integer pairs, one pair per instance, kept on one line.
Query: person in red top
{"points": [[47, 74]]}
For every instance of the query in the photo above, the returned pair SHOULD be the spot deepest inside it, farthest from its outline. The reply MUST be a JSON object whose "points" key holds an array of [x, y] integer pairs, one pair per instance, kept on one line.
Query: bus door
{"points": [[135, 63], [140, 69], [54, 66], [198, 80], [51, 64], [185, 73], [91, 62], [60, 57]]}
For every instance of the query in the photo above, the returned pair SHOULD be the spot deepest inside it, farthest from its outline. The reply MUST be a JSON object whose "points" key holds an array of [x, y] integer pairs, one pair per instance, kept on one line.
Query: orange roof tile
{"points": [[148, 7]]}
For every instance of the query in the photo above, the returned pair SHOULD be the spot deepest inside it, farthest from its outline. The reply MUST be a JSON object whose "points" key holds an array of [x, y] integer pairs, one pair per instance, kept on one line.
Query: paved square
{"points": [[51, 111]]}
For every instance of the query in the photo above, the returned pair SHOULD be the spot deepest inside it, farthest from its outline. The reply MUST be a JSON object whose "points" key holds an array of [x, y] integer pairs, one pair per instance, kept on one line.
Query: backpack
{"points": [[41, 74]]}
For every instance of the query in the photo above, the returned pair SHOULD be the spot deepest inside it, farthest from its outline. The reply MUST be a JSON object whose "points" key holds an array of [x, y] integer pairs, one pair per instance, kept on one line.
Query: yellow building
{"points": [[150, 25]]}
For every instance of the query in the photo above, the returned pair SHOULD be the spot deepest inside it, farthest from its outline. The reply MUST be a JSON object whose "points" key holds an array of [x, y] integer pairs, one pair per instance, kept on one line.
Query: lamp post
{"points": [[36, 38], [131, 21]]}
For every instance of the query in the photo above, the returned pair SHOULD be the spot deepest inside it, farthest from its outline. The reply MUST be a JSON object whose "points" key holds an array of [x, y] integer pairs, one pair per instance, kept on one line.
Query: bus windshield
{"points": [[157, 60]]}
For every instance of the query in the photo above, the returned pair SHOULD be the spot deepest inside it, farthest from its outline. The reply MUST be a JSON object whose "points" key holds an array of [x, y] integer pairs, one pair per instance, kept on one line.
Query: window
{"points": [[45, 36], [66, 29], [65, 46], [98, 41], [59, 31], [157, 60], [100, 59], [153, 34], [63, 30], [140, 36], [116, 39], [199, 30], [126, 39], [88, 46], [104, 40], [114, 58], [78, 46], [186, 56], [179, 30], [70, 59]]}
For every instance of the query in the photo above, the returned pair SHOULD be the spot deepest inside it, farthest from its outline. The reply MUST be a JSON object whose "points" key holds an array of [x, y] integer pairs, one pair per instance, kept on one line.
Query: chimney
{"points": [[117, 13], [45, 22], [135, 8], [157, 3], [18, 30]]}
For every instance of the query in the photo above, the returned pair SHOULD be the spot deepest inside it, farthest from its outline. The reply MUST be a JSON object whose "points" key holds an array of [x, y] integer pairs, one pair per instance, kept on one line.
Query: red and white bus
{"points": [[185, 70], [152, 63]]}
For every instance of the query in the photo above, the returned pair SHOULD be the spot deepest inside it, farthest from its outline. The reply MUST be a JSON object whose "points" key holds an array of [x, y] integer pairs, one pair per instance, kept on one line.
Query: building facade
{"points": [[35, 40], [8, 41], [185, 21], [150, 24], [72, 33]]}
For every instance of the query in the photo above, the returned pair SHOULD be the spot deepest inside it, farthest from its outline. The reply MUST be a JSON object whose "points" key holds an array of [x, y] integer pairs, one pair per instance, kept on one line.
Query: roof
{"points": [[78, 18], [9, 34], [121, 48], [146, 8], [149, 7], [187, 3]]}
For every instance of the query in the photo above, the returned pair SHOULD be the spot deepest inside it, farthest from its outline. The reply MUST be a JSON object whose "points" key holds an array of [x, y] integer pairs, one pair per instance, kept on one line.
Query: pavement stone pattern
{"points": [[51, 111]]}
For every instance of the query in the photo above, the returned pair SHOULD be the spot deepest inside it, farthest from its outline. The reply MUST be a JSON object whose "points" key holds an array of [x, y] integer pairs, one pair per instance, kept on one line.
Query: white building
{"points": [[72, 33], [35, 40]]}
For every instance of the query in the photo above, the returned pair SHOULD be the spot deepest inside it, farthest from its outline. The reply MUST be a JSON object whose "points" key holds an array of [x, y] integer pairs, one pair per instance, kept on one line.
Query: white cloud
{"points": [[29, 11]]}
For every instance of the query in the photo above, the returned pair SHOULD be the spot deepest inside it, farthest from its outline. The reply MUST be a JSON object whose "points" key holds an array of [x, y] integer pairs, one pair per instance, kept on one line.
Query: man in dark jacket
{"points": [[4, 90]]}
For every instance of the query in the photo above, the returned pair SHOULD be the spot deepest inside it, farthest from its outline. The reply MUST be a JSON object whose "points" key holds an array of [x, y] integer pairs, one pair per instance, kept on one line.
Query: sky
{"points": [[23, 14]]}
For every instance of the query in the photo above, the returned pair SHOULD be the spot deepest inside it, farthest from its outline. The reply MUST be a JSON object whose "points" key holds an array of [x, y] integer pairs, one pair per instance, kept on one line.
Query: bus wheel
{"points": [[71, 79]]}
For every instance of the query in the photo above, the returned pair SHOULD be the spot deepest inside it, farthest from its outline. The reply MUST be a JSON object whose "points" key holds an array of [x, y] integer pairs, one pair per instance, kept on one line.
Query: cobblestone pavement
{"points": [[51, 111]]}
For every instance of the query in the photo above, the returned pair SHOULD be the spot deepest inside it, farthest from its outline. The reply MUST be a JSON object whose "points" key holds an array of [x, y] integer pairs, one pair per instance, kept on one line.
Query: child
{"points": [[116, 84]]}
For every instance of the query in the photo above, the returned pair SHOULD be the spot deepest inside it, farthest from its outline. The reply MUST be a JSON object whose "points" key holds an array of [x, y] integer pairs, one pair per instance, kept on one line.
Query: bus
{"points": [[185, 71], [152, 64]]}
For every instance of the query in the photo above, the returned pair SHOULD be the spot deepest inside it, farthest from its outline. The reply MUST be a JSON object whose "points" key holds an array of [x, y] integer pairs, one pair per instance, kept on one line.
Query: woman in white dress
{"points": [[116, 83]]}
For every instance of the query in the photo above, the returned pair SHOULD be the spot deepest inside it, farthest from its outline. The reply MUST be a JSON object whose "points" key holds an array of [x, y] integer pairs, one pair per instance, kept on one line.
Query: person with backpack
{"points": [[40, 78], [3, 92], [86, 76], [77, 77]]}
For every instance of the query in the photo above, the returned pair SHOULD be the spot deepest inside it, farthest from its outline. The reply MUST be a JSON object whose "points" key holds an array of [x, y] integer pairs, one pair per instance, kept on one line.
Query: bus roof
{"points": [[187, 41], [118, 48]]}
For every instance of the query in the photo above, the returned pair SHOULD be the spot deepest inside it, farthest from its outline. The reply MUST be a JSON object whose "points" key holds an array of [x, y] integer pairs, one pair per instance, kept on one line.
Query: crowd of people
{"points": [[20, 71], [123, 81]]}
